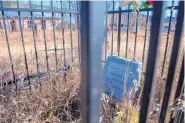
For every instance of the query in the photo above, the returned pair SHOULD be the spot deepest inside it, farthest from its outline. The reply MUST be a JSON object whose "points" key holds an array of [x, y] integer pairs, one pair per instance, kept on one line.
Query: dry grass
{"points": [[54, 101], [113, 112]]}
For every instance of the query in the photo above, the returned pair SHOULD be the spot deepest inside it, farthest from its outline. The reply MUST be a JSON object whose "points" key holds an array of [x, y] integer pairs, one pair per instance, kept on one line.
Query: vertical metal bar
{"points": [[106, 27], [179, 86], [181, 117], [22, 39], [181, 112], [135, 43], [119, 29], [8, 45], [63, 41], [84, 18], [44, 33], [128, 26], [180, 81], [144, 47], [78, 23], [30, 5], [168, 35], [92, 17], [178, 112], [153, 57], [54, 38], [71, 37], [112, 30], [106, 41], [63, 38], [34, 40], [173, 62]]}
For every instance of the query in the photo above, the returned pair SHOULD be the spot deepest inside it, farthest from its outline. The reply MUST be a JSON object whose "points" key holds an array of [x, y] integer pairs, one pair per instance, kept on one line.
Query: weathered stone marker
{"points": [[121, 74]]}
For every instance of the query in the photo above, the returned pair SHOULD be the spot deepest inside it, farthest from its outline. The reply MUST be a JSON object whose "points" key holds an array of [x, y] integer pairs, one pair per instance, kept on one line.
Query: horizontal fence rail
{"points": [[140, 10], [37, 10]]}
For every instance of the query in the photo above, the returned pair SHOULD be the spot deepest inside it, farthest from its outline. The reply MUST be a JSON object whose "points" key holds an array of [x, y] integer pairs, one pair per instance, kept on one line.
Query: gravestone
{"points": [[121, 74]]}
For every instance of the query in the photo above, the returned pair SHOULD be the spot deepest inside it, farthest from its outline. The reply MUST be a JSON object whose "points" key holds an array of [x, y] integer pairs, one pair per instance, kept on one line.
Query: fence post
{"points": [[92, 17], [173, 62], [153, 57]]}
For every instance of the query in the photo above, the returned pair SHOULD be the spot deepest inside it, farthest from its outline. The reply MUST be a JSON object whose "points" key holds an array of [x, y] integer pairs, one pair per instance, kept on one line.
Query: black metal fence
{"points": [[133, 35], [47, 34], [159, 51], [132, 27]]}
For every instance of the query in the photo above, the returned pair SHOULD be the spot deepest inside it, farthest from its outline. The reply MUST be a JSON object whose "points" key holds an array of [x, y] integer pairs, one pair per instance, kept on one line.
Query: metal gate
{"points": [[153, 56]]}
